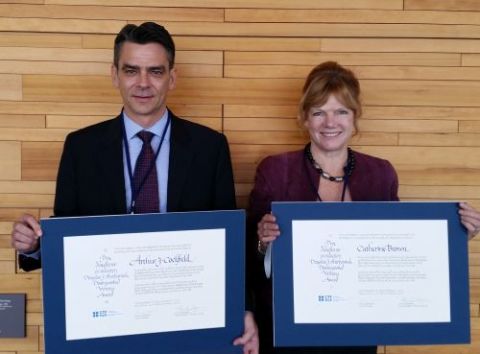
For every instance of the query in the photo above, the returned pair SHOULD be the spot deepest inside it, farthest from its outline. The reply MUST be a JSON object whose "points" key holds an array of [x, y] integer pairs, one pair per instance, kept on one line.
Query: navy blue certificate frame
{"points": [[216, 340], [287, 333]]}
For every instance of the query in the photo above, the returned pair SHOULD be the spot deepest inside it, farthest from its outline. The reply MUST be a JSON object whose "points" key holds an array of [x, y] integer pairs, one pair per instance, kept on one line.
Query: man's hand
{"points": [[25, 234]]}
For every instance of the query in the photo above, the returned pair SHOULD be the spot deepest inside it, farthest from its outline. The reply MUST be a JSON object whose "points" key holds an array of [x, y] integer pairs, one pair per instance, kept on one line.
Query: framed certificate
{"points": [[370, 273], [169, 283]]}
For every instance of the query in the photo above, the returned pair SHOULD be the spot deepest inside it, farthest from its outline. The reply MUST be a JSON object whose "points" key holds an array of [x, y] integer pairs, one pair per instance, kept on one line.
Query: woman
{"points": [[325, 170]]}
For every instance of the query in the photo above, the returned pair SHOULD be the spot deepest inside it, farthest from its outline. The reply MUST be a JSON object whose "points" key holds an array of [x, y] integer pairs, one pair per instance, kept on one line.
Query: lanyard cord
{"points": [[129, 162]]}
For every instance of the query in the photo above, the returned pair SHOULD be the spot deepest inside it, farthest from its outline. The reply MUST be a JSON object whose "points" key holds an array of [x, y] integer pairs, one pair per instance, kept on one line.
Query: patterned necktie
{"points": [[145, 179]]}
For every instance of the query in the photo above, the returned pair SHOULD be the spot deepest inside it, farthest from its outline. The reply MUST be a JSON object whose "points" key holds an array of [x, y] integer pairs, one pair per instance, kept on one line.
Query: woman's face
{"points": [[330, 126]]}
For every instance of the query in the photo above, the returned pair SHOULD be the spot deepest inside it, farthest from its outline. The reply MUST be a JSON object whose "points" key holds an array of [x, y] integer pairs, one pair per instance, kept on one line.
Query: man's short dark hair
{"points": [[147, 32]]}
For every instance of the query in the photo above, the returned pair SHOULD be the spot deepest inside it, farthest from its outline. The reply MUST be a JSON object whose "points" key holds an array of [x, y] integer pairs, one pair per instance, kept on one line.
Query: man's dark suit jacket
{"points": [[91, 174]]}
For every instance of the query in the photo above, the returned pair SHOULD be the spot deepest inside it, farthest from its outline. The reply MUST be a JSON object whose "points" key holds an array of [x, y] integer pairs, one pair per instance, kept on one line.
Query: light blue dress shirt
{"points": [[135, 146]]}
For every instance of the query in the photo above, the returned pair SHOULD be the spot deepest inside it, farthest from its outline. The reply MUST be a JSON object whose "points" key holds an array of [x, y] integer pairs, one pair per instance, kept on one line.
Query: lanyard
{"points": [[150, 168]]}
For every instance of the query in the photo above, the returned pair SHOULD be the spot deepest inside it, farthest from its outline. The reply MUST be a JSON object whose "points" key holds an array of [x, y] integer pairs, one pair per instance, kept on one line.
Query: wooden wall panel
{"points": [[22, 121], [26, 1], [17, 200], [344, 15], [7, 267], [469, 126], [56, 54], [10, 160], [13, 214], [241, 66], [309, 29], [427, 156], [221, 43], [314, 58], [363, 72], [26, 187], [30, 343], [259, 44], [281, 4], [450, 5], [417, 73], [33, 134], [109, 12], [422, 93], [470, 59], [24, 283], [53, 68], [40, 160], [73, 122], [40, 40], [408, 126], [416, 112], [459, 139], [60, 25], [400, 45], [10, 87]]}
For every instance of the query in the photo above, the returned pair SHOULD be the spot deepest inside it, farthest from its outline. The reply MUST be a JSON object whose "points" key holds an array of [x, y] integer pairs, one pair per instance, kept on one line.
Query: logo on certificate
{"points": [[325, 298], [105, 313]]}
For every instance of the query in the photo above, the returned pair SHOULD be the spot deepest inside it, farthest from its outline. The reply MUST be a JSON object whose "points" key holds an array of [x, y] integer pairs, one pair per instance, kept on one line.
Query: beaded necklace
{"points": [[348, 170]]}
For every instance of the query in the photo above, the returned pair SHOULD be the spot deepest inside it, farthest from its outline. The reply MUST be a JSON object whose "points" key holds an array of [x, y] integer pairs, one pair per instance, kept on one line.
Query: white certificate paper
{"points": [[127, 284], [370, 271]]}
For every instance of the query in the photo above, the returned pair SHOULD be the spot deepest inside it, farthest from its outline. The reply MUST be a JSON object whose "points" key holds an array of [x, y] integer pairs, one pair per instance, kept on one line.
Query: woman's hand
{"points": [[470, 218], [267, 231], [249, 339]]}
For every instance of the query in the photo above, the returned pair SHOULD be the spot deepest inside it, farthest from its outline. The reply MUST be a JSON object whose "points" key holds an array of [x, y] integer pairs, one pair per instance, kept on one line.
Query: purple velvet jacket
{"points": [[289, 176]]}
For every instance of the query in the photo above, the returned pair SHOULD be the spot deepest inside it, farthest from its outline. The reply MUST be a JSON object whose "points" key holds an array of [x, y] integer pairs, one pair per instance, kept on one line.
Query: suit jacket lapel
{"points": [[181, 155], [110, 162]]}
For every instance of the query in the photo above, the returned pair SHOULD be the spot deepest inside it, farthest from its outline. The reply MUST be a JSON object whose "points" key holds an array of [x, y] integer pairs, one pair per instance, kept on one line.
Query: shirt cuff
{"points": [[34, 254], [267, 261]]}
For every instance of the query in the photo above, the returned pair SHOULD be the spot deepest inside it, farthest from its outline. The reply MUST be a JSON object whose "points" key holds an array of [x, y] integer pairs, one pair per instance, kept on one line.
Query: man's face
{"points": [[144, 79]]}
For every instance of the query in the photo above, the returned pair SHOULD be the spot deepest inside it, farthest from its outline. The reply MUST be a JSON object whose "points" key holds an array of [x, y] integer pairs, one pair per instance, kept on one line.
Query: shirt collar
{"points": [[132, 128]]}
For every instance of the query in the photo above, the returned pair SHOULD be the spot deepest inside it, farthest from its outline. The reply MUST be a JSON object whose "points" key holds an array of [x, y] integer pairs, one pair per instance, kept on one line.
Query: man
{"points": [[144, 160]]}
